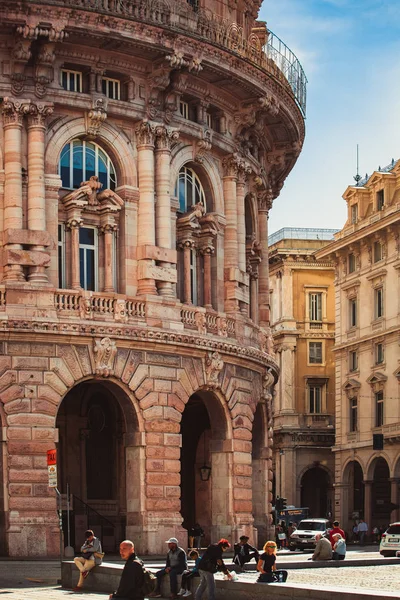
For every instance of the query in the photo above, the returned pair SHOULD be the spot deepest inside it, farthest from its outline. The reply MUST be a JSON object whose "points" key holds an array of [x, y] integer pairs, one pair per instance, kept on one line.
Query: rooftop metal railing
{"points": [[188, 18]]}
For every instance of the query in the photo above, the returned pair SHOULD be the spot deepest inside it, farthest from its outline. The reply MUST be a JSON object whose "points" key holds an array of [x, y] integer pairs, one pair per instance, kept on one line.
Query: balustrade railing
{"points": [[98, 306], [190, 19]]}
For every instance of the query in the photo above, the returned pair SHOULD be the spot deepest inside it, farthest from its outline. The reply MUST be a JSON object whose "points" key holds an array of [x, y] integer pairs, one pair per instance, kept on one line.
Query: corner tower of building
{"points": [[141, 147]]}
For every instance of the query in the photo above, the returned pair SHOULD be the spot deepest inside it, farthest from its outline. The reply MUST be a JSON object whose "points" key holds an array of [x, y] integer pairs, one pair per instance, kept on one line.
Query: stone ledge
{"points": [[106, 577]]}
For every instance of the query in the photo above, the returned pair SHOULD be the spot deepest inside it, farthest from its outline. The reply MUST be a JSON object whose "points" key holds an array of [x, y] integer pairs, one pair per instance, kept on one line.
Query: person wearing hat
{"points": [[244, 552], [176, 564]]}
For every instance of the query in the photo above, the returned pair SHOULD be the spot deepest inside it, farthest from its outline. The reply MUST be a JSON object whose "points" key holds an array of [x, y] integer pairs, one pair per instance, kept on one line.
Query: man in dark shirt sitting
{"points": [[243, 552], [132, 578]]}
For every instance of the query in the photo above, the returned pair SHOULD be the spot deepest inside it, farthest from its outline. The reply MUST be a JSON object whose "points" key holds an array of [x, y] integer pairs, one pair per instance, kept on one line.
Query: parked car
{"points": [[304, 536], [390, 540]]}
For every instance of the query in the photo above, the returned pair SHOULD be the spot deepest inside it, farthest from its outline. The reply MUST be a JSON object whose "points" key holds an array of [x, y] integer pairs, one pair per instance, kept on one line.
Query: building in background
{"points": [[367, 307], [303, 329], [141, 146]]}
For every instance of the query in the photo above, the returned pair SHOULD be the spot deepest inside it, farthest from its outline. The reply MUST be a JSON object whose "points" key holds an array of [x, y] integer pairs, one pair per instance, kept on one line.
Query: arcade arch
{"points": [[315, 491], [100, 460]]}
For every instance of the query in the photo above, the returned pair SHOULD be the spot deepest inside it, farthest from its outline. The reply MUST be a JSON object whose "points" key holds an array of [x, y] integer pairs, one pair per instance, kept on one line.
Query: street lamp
{"points": [[205, 471]]}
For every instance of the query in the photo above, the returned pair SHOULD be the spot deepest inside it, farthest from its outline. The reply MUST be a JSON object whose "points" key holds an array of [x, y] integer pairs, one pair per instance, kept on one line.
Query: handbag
{"points": [[99, 554]]}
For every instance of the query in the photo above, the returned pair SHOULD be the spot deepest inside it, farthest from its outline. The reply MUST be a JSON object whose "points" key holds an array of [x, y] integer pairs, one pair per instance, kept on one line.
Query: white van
{"points": [[307, 529]]}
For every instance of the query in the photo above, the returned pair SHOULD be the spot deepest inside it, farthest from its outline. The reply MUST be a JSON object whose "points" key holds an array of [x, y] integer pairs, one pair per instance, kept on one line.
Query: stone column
{"points": [[394, 498], [207, 253], [36, 183], [241, 226], [108, 230], [187, 246], [254, 295], [13, 114], [264, 204], [231, 238], [164, 138], [368, 505], [146, 230], [73, 225]]}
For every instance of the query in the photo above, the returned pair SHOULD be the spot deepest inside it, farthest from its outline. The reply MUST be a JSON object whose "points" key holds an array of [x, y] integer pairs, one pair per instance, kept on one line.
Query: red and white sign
{"points": [[52, 467]]}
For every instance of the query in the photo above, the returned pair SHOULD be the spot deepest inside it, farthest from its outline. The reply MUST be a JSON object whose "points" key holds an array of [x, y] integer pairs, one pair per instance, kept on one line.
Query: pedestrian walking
{"points": [[362, 530]]}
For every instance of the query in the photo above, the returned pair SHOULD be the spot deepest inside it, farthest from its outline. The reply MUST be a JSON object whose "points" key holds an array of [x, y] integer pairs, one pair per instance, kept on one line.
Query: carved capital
{"points": [[74, 223], [38, 114], [165, 137], [188, 243], [108, 228], [14, 111], [231, 165], [145, 134], [265, 199]]}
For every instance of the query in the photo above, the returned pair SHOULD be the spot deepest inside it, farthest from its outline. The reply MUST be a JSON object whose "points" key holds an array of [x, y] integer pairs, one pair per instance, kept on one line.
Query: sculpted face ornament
{"points": [[105, 351]]}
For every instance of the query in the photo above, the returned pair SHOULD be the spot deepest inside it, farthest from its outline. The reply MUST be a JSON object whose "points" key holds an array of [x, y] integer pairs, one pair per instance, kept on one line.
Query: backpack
{"points": [[149, 581]]}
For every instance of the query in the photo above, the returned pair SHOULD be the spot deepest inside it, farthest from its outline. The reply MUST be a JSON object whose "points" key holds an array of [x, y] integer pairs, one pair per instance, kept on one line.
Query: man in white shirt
{"points": [[362, 531]]}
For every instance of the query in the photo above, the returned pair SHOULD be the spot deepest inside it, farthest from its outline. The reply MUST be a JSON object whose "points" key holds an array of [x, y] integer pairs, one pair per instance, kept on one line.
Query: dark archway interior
{"points": [[3, 549], [91, 460], [195, 422], [314, 491], [358, 488], [381, 493]]}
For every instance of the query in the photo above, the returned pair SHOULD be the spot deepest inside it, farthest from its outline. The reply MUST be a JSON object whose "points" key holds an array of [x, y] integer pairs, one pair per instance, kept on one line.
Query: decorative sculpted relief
{"points": [[214, 366], [201, 322], [105, 351]]}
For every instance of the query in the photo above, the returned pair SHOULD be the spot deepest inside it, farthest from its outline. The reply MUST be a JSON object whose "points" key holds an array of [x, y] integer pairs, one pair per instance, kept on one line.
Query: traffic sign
{"points": [[52, 470]]}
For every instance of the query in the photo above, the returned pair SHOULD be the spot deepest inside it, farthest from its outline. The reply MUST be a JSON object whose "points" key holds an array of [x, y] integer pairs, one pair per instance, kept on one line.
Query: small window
{"points": [[353, 360], [378, 302], [352, 263], [380, 200], [315, 353], [379, 354], [184, 109], [61, 256], [354, 213], [378, 252], [353, 312], [379, 405], [88, 258], [353, 414], [315, 307], [315, 399], [111, 88], [209, 120], [71, 80]]}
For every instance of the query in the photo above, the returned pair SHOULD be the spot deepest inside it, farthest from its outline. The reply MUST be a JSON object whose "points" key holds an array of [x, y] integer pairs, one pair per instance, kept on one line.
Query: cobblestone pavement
{"points": [[38, 580]]}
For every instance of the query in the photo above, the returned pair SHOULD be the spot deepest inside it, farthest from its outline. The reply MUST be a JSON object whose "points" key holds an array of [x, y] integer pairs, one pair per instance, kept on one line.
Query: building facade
{"points": [[142, 144], [367, 288], [302, 313]]}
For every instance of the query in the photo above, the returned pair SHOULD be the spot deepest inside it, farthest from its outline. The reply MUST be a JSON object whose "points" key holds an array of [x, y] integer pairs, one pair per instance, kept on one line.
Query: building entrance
{"points": [[92, 463]]}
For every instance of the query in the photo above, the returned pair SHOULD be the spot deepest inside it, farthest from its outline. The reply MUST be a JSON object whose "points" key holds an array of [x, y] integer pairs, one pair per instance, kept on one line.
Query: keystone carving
{"points": [[214, 366], [105, 351], [96, 117]]}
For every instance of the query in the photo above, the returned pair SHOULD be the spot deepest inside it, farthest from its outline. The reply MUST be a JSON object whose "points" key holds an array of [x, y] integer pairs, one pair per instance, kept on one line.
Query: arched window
{"points": [[80, 160], [189, 190]]}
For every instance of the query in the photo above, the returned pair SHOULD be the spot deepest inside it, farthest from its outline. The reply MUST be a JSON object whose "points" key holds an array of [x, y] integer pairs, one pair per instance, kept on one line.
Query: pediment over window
{"points": [[376, 378], [351, 386]]}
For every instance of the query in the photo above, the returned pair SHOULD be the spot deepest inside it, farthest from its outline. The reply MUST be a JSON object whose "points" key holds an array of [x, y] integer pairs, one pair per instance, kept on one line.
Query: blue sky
{"points": [[349, 50]]}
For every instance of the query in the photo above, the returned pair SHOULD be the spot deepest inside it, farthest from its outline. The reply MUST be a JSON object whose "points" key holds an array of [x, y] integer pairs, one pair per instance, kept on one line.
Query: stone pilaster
{"points": [[145, 134], [264, 204], [13, 115], [36, 181], [165, 137], [207, 253], [231, 167], [108, 230], [73, 225], [187, 246]]}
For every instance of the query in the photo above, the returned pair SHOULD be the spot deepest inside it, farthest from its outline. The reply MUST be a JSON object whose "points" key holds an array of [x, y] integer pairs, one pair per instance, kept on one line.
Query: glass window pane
{"points": [[189, 193], [86, 236], [77, 165], [182, 195], [64, 80], [90, 273], [90, 160], [82, 266]]}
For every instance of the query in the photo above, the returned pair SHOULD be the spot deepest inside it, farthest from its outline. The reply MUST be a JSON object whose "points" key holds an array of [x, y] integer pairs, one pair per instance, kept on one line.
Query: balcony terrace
{"points": [[273, 57]]}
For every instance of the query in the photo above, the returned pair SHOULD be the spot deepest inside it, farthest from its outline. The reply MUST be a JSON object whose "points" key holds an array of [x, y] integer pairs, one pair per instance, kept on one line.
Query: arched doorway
{"points": [[352, 507], [381, 492], [205, 493], [94, 447], [315, 491]]}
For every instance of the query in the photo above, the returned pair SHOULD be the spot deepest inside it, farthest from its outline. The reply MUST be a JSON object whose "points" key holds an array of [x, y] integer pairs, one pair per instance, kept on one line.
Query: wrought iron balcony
{"points": [[187, 18]]}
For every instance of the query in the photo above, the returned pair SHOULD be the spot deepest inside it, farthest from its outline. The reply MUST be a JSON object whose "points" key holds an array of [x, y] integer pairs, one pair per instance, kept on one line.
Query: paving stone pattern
{"points": [[17, 580]]}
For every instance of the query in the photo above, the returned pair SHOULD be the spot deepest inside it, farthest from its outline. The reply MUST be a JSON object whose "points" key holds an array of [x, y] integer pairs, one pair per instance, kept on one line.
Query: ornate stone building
{"points": [[367, 359], [142, 144], [303, 329]]}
